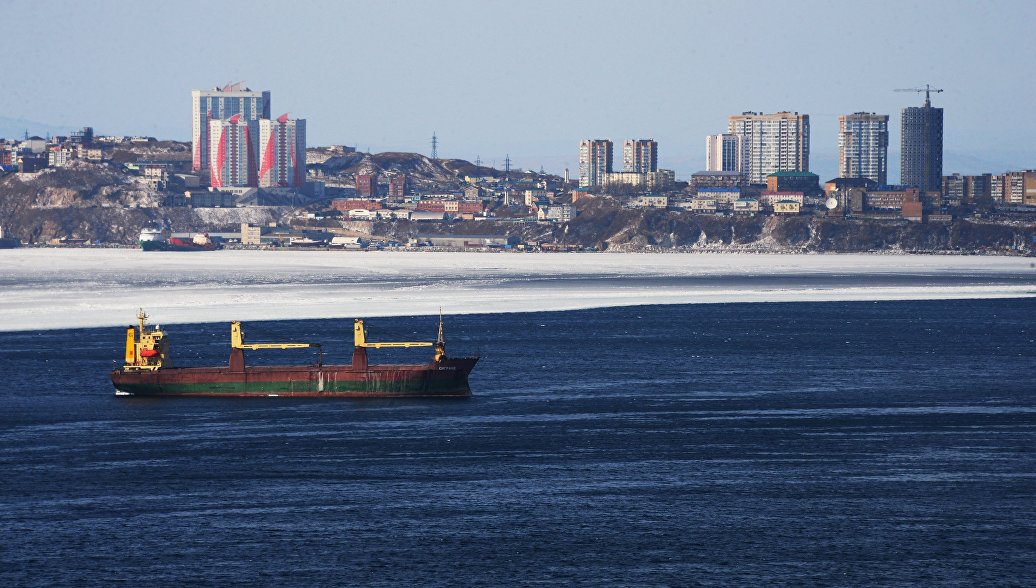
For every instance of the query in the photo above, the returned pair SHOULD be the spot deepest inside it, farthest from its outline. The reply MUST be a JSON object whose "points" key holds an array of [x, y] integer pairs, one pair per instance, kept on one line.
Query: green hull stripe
{"points": [[386, 388]]}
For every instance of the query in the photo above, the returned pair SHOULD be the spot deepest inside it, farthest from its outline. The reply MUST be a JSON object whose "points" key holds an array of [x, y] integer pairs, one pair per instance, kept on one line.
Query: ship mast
{"points": [[440, 341]]}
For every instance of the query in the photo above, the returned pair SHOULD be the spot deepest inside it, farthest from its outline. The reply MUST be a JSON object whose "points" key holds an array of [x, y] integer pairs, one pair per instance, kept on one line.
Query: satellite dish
{"points": [[832, 203]]}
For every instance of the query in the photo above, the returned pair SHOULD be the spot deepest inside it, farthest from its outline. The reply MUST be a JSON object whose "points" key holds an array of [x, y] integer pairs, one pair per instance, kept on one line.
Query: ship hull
{"points": [[175, 246], [447, 378]]}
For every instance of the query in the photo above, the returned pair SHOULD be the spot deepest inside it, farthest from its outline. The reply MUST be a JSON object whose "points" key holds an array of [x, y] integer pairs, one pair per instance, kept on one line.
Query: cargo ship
{"points": [[155, 239], [8, 242], [147, 370]]}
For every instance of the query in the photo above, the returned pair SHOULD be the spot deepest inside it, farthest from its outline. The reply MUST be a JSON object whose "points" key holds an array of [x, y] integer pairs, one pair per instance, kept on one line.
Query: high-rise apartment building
{"points": [[921, 147], [863, 146], [640, 155], [774, 142], [283, 146], [221, 104], [953, 189], [398, 185], [725, 152], [996, 188], [232, 152], [595, 160], [957, 188], [366, 184], [978, 189], [1019, 188]]}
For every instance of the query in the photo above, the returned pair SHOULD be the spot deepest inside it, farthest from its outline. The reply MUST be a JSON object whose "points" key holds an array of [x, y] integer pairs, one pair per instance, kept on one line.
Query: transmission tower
{"points": [[507, 180], [435, 146], [478, 161]]}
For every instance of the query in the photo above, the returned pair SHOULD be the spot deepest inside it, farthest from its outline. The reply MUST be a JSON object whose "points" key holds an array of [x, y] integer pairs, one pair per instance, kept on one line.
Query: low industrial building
{"points": [[788, 207], [793, 181], [651, 202], [835, 185], [707, 205], [561, 213], [717, 179], [427, 216], [469, 241], [771, 198], [746, 206], [724, 197]]}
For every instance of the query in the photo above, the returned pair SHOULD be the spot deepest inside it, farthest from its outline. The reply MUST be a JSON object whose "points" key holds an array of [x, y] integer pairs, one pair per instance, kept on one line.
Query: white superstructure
{"points": [[282, 147]]}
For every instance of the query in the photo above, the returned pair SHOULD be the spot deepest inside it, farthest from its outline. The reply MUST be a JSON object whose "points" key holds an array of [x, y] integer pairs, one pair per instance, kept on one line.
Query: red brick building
{"points": [[366, 185], [432, 206], [347, 204], [469, 207], [890, 199], [913, 210], [397, 186]]}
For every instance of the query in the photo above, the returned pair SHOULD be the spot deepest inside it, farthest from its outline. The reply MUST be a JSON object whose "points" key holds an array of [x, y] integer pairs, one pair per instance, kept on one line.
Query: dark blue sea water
{"points": [[742, 444]]}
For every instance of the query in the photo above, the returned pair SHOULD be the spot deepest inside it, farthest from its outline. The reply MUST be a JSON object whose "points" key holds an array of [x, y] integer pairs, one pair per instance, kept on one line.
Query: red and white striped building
{"points": [[282, 144], [232, 152]]}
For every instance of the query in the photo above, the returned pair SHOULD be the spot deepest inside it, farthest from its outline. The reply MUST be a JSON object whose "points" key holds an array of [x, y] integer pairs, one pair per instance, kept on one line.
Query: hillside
{"points": [[423, 173], [103, 201], [604, 225]]}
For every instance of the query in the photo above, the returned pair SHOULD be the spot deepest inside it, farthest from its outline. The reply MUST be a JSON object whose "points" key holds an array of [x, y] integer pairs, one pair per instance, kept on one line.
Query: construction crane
{"points": [[927, 89]]}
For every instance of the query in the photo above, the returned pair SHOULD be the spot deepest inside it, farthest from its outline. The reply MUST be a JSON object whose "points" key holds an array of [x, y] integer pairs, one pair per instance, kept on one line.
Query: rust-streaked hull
{"points": [[447, 378]]}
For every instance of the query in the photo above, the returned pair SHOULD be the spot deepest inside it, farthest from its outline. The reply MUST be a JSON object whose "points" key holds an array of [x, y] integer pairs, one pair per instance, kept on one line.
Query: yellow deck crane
{"points": [[361, 344], [237, 341], [238, 345]]}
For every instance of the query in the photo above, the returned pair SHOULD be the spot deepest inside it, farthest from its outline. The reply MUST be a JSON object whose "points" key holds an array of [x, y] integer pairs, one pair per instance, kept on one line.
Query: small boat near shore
{"points": [[156, 239]]}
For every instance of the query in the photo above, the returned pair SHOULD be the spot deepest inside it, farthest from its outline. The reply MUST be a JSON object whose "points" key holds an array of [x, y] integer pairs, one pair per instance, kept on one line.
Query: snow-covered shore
{"points": [[64, 288]]}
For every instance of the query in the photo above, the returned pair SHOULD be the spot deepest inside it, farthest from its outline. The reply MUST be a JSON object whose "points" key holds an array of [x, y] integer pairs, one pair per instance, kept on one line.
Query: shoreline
{"points": [[690, 250], [54, 288]]}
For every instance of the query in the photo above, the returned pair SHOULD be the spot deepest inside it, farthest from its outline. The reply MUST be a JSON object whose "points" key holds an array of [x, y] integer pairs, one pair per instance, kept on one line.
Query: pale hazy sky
{"points": [[532, 78]]}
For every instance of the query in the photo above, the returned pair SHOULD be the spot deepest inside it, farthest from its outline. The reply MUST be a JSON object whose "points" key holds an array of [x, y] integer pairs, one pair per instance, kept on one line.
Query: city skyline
{"points": [[417, 84]]}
